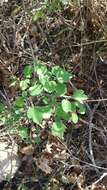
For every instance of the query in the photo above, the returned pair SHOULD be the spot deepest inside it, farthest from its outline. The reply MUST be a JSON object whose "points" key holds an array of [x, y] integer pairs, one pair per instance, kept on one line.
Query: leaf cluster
{"points": [[44, 96]]}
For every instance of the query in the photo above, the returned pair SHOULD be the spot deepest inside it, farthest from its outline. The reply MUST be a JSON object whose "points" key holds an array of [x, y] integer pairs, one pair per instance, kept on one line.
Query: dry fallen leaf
{"points": [[27, 150], [76, 59], [43, 164]]}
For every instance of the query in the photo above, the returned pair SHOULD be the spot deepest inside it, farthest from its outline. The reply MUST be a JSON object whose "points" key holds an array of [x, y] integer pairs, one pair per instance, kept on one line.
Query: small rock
{"points": [[9, 160]]}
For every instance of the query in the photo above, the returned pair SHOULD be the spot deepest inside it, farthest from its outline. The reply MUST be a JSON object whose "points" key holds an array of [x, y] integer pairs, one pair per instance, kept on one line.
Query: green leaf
{"points": [[49, 86], [79, 96], [19, 102], [25, 94], [61, 75], [82, 108], [39, 14], [2, 120], [58, 129], [23, 132], [46, 100], [44, 79], [17, 114], [46, 111], [13, 81], [35, 90], [73, 107], [55, 70], [35, 115], [53, 5], [40, 69], [74, 118], [2, 107], [37, 140], [53, 99], [66, 105], [59, 113], [64, 2], [24, 84], [61, 89], [28, 71]]}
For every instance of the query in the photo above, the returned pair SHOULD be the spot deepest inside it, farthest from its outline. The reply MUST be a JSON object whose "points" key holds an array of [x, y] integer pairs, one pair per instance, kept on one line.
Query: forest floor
{"points": [[59, 37]]}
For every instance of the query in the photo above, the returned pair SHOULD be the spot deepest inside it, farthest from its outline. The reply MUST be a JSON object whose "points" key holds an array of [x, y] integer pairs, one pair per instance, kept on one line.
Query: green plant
{"points": [[47, 7], [44, 96]]}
